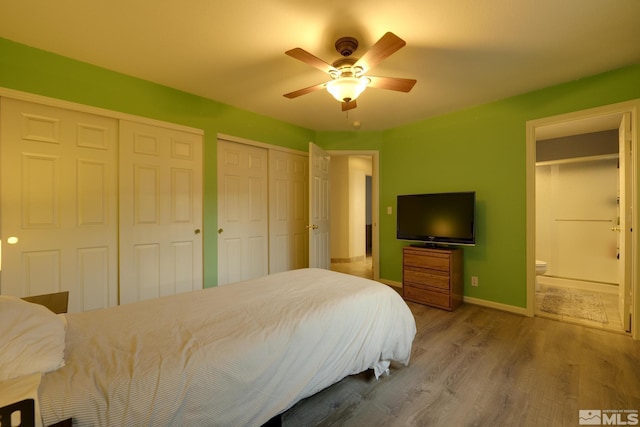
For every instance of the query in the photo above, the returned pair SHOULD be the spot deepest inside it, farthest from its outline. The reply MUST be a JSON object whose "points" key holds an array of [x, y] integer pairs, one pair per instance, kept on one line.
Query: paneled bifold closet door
{"points": [[160, 211], [58, 204], [243, 215], [108, 209], [262, 211]]}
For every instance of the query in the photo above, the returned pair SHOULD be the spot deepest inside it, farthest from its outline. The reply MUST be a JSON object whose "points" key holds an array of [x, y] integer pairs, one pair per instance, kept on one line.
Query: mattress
{"points": [[235, 355]]}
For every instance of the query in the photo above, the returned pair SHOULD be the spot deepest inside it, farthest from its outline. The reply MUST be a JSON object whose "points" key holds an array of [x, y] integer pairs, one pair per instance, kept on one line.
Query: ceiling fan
{"points": [[348, 79]]}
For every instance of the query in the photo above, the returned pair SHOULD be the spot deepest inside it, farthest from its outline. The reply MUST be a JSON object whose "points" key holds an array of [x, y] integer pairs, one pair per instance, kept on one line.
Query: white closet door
{"points": [[288, 211], [160, 211], [243, 223], [58, 204]]}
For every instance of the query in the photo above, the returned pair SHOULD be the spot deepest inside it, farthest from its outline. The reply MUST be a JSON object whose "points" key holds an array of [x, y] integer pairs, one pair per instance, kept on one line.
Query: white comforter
{"points": [[234, 355]]}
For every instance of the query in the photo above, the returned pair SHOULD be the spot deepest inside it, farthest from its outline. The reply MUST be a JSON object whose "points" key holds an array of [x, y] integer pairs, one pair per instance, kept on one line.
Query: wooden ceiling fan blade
{"points": [[310, 59], [383, 48], [304, 91], [346, 106], [392, 83]]}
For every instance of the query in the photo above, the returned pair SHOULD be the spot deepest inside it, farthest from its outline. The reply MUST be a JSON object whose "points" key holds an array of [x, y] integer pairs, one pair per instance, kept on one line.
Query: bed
{"points": [[234, 355]]}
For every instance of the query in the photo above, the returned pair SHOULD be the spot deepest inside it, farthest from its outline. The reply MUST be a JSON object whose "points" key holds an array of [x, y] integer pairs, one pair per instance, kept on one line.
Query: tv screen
{"points": [[446, 218]]}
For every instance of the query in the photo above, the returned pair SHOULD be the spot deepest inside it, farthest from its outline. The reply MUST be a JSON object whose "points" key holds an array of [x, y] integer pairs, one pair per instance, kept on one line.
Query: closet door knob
{"points": [[196, 231], [220, 230]]}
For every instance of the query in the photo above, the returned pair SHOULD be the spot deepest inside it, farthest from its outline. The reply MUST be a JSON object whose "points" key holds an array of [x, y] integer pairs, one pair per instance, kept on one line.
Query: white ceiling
{"points": [[462, 52]]}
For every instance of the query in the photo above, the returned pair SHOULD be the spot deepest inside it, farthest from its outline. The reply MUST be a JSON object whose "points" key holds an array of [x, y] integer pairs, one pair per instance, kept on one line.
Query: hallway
{"points": [[362, 268]]}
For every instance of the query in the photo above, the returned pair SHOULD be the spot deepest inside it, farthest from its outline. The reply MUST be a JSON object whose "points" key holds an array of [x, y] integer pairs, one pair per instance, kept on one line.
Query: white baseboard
{"points": [[489, 304], [496, 305]]}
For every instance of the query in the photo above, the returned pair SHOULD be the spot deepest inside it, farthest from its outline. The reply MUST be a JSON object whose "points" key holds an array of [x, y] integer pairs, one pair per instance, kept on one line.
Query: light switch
{"points": [[389, 210]]}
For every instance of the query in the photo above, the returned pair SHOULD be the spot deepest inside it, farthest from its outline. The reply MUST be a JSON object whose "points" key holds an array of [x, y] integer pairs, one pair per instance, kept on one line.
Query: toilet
{"points": [[541, 268]]}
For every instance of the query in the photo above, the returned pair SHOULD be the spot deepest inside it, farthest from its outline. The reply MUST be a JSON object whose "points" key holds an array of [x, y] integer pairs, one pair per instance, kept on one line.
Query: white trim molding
{"points": [[59, 103], [470, 300], [496, 305], [253, 143]]}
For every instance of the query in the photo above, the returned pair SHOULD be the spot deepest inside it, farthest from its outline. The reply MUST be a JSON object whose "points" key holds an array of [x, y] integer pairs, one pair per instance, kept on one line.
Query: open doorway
{"points": [[577, 237], [354, 195], [579, 244]]}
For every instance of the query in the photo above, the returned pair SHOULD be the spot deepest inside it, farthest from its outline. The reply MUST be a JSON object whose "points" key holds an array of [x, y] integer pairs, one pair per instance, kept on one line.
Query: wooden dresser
{"points": [[432, 276]]}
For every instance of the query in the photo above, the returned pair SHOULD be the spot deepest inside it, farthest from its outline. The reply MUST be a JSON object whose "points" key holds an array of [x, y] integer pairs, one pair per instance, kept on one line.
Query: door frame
{"points": [[632, 107], [375, 202], [85, 108]]}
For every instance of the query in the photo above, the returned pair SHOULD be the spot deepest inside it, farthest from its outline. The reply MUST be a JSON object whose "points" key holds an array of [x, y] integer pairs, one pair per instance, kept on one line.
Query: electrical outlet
{"points": [[474, 280]]}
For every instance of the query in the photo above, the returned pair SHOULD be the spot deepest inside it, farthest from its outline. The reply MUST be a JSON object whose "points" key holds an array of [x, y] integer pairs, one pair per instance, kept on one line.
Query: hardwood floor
{"points": [[482, 367], [363, 268]]}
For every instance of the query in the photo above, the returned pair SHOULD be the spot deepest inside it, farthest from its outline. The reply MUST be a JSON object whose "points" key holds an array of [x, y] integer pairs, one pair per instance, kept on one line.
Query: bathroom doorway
{"points": [[576, 216], [579, 180]]}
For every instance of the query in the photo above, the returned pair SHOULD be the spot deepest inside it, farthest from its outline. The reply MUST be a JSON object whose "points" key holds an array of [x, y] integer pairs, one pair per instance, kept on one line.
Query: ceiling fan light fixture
{"points": [[347, 89], [347, 73]]}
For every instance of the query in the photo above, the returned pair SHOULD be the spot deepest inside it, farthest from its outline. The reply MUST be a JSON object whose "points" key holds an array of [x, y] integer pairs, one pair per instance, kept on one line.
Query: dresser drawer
{"points": [[422, 277], [424, 296], [432, 276], [433, 261]]}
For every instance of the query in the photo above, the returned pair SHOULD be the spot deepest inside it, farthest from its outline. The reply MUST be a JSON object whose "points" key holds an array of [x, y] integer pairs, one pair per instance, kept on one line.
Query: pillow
{"points": [[31, 338]]}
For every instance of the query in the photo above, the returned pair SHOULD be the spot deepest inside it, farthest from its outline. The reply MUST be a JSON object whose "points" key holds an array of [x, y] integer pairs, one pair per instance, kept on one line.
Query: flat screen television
{"points": [[437, 218]]}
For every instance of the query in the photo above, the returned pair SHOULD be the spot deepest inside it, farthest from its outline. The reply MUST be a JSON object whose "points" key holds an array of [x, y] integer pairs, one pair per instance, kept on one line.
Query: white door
{"points": [[160, 211], [288, 211], [319, 212], [243, 223], [58, 204], [625, 221]]}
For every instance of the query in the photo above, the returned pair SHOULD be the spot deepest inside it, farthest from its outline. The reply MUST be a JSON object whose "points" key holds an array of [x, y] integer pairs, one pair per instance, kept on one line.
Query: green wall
{"points": [[481, 149], [43, 73]]}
